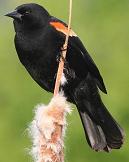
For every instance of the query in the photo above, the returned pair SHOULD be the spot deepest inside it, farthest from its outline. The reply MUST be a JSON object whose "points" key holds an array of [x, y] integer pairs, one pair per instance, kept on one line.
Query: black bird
{"points": [[39, 40]]}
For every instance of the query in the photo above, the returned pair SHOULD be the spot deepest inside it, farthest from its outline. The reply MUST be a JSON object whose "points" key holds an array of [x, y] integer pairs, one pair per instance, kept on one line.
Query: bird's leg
{"points": [[61, 55], [64, 48]]}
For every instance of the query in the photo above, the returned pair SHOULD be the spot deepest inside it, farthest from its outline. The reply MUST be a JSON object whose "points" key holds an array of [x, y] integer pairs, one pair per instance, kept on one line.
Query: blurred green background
{"points": [[103, 26]]}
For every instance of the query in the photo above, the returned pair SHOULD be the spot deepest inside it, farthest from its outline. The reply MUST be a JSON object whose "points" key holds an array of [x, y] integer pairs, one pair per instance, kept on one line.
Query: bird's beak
{"points": [[14, 15]]}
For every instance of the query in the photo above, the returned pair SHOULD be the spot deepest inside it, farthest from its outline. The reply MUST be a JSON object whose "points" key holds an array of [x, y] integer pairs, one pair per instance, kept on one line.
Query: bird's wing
{"points": [[92, 68], [76, 44]]}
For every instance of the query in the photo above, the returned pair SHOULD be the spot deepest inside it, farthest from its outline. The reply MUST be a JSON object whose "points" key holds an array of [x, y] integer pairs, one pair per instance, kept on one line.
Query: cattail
{"points": [[48, 130], [49, 124]]}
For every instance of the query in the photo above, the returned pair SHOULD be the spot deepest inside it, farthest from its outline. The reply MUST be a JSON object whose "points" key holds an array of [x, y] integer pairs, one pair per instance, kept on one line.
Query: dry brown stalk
{"points": [[49, 124]]}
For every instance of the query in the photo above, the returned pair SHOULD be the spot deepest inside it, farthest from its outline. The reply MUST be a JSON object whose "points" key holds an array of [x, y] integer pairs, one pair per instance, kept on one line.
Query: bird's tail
{"points": [[102, 131]]}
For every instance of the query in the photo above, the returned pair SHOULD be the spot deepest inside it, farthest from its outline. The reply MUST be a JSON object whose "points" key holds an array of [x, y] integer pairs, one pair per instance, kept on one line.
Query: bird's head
{"points": [[29, 16]]}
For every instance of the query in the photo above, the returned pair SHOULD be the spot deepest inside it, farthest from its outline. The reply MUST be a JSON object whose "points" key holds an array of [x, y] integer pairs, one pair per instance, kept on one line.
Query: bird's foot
{"points": [[59, 57], [64, 48]]}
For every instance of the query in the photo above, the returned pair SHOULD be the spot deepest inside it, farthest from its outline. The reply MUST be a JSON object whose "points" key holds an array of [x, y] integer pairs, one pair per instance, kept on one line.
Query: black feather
{"points": [[98, 123], [76, 43]]}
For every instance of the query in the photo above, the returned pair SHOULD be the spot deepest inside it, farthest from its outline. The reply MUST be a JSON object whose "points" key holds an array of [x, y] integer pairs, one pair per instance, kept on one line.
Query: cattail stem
{"points": [[64, 51], [49, 124]]}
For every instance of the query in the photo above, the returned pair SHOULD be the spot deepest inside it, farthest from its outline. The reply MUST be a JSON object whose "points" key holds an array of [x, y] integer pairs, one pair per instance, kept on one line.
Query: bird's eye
{"points": [[27, 12]]}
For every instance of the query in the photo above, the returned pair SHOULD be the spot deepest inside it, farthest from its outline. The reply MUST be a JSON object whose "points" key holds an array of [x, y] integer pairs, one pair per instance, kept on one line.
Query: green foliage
{"points": [[103, 26]]}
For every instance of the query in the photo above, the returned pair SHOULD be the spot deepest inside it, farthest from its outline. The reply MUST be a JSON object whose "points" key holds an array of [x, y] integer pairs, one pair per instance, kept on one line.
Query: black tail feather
{"points": [[94, 134], [102, 131]]}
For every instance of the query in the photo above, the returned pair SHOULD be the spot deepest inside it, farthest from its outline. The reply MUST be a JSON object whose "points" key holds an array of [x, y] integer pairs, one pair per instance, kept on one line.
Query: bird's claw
{"points": [[59, 57], [64, 48]]}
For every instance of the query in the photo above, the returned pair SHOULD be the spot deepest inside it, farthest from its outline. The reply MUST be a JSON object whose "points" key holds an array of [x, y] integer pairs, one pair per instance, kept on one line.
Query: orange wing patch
{"points": [[62, 28]]}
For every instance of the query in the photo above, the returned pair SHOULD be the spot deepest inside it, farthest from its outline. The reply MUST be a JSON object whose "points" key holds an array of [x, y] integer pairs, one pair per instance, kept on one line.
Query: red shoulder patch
{"points": [[62, 28]]}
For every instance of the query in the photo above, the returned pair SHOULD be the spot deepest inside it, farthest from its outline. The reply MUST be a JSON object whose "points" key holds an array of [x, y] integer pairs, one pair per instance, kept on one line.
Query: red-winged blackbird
{"points": [[39, 40]]}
